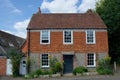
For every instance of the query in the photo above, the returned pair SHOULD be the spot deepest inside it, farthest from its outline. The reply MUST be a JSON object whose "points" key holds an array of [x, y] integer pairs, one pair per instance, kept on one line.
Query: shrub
{"points": [[52, 64], [104, 71], [46, 72], [39, 72], [80, 70], [58, 67], [32, 74], [55, 66], [15, 57], [104, 66]]}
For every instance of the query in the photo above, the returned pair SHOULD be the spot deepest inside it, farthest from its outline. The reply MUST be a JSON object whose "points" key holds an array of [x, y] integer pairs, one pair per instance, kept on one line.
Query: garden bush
{"points": [[55, 66], [47, 72], [58, 67], [79, 70], [15, 56], [52, 64], [39, 72], [104, 66]]}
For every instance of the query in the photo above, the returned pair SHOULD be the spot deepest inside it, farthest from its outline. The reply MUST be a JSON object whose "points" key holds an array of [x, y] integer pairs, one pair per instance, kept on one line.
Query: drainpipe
{"points": [[28, 42], [28, 55]]}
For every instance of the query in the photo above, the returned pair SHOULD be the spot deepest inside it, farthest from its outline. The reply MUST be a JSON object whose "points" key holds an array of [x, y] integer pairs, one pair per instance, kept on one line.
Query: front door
{"points": [[23, 66], [9, 67], [68, 63]]}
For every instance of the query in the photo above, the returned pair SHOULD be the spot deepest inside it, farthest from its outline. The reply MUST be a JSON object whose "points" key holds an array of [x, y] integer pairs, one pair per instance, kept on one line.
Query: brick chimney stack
{"points": [[89, 11], [39, 11]]}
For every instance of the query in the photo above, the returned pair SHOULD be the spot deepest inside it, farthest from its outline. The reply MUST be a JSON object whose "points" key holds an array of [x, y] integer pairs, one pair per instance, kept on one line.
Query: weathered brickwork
{"points": [[2, 66], [79, 43]]}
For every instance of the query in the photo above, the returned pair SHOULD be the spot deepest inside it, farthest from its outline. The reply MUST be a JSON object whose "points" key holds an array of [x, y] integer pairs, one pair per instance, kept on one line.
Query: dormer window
{"points": [[45, 37]]}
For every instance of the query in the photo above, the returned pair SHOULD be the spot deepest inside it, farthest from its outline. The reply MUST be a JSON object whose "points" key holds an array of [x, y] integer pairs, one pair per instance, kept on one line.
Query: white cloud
{"points": [[60, 6], [16, 11], [7, 4], [55, 6], [67, 6], [21, 28], [86, 4], [21, 25]]}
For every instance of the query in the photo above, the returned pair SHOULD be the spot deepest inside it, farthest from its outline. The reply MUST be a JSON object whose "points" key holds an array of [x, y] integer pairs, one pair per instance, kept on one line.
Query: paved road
{"points": [[115, 77]]}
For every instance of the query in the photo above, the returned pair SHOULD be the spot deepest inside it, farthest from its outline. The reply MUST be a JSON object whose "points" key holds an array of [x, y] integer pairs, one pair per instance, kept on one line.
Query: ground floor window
{"points": [[91, 57], [44, 60]]}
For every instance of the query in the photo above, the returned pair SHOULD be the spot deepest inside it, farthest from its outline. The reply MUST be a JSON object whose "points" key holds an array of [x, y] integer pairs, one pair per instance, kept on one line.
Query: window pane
{"points": [[90, 36], [44, 41], [67, 36], [44, 59], [90, 59], [45, 36]]}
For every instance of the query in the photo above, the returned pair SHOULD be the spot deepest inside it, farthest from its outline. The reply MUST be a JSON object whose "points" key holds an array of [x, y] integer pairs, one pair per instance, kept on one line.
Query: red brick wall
{"points": [[24, 47], [79, 43], [3, 66]]}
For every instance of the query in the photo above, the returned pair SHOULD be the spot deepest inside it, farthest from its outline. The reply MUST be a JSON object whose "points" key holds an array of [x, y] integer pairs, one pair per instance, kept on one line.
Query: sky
{"points": [[16, 14]]}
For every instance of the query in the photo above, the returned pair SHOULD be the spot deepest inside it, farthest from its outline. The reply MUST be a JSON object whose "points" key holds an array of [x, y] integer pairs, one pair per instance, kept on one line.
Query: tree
{"points": [[109, 10], [15, 57]]}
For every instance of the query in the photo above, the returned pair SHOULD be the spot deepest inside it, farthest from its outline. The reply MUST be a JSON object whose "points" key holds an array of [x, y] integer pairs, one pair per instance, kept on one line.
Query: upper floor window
{"points": [[68, 37], [90, 37], [45, 37]]}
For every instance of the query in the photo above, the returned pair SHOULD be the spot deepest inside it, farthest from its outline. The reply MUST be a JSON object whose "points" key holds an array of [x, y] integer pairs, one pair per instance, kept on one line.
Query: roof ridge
{"points": [[10, 34]]}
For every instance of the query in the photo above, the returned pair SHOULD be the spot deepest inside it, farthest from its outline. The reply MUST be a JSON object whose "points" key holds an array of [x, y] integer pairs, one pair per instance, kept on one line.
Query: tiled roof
{"points": [[8, 41], [66, 21]]}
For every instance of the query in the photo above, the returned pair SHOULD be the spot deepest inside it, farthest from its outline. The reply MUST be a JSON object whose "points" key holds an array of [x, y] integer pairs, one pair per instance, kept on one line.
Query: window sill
{"points": [[68, 43], [91, 66], [90, 43], [45, 67]]}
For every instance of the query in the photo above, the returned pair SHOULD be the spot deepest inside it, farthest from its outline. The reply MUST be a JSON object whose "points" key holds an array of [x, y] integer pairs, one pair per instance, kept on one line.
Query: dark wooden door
{"points": [[68, 63]]}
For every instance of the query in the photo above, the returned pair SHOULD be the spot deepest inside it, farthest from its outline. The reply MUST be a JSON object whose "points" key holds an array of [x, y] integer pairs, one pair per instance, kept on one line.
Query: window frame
{"points": [[71, 37], [45, 66], [42, 39], [94, 61], [94, 37]]}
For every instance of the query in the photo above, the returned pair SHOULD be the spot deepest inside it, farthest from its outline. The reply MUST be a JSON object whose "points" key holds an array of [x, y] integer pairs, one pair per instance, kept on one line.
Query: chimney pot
{"points": [[39, 11], [89, 11]]}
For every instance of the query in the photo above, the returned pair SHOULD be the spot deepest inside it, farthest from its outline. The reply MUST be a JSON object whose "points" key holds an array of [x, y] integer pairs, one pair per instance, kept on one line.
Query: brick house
{"points": [[75, 38]]}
